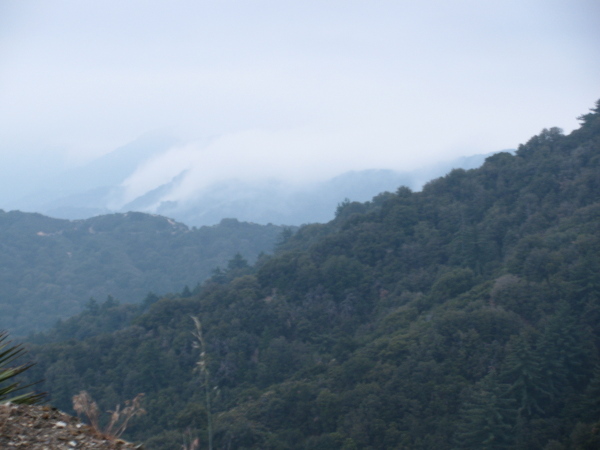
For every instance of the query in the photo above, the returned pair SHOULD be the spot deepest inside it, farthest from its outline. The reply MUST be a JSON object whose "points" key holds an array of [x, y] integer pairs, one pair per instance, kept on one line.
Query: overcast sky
{"points": [[296, 89]]}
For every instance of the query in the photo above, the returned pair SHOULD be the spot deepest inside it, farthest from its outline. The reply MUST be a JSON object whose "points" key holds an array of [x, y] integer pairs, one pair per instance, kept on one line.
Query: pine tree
{"points": [[590, 406], [563, 353], [522, 371], [486, 419]]}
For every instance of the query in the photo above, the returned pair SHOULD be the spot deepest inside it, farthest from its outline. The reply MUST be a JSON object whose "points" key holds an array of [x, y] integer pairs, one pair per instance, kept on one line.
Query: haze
{"points": [[289, 90]]}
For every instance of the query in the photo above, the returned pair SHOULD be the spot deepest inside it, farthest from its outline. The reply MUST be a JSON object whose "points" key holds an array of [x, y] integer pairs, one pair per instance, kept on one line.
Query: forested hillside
{"points": [[49, 268], [464, 316]]}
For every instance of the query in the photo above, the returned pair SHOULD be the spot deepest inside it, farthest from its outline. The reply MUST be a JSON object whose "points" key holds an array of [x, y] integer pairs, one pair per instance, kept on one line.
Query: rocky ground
{"points": [[46, 428]]}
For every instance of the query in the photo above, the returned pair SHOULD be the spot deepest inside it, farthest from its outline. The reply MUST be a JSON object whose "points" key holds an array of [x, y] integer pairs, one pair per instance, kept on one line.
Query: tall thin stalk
{"points": [[119, 418], [202, 367]]}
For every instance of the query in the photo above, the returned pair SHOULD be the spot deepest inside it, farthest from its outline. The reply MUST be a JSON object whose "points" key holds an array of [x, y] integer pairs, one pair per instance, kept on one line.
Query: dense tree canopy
{"points": [[49, 267], [463, 316]]}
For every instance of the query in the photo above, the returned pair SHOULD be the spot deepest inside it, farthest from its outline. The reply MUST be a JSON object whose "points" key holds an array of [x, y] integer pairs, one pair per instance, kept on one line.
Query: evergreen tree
{"points": [[563, 352], [487, 417], [591, 399], [522, 371]]}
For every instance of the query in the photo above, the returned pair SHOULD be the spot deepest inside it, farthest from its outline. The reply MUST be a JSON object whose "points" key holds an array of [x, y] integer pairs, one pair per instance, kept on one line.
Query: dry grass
{"points": [[85, 406], [202, 367], [189, 443]]}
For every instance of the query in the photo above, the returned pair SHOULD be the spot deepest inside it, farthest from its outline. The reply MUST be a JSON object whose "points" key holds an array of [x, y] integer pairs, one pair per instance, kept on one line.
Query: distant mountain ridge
{"points": [[274, 201], [98, 188], [85, 191], [50, 267]]}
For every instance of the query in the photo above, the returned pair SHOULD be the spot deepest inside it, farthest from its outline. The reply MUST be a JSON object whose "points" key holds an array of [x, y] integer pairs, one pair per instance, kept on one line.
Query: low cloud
{"points": [[297, 92], [294, 156]]}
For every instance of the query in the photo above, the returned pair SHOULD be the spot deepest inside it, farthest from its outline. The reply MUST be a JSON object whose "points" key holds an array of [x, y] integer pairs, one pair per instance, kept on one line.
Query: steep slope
{"points": [[49, 267], [463, 316]]}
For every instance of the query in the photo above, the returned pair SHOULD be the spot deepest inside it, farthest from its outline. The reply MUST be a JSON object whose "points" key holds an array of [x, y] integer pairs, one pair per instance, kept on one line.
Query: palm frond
{"points": [[8, 353]]}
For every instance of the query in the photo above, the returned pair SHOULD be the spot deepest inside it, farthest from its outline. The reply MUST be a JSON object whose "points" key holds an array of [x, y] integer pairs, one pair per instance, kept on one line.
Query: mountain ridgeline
{"points": [[49, 268], [100, 187], [277, 201], [463, 316]]}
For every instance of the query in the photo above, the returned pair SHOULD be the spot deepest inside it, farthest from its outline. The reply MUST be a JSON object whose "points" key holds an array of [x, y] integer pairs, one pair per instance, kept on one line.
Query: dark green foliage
{"points": [[8, 386], [452, 283], [463, 316], [486, 418], [522, 371], [50, 267]]}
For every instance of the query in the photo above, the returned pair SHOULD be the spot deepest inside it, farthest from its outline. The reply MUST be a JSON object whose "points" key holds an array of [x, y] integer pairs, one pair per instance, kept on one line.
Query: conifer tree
{"points": [[486, 419], [562, 352], [522, 371], [591, 402]]}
